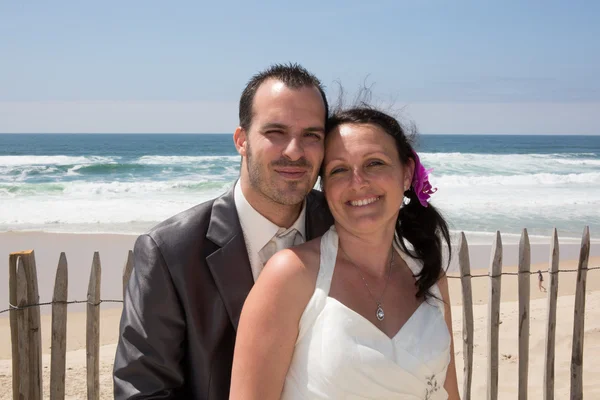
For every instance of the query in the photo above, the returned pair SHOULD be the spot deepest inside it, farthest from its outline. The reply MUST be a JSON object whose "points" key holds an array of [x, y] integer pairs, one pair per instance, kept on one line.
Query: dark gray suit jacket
{"points": [[190, 279]]}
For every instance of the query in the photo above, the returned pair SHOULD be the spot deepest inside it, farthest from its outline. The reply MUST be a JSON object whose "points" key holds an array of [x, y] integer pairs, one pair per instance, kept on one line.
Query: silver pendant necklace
{"points": [[379, 313]]}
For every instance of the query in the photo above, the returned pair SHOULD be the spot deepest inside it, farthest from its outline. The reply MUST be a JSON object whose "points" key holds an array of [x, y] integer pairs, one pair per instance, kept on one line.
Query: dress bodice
{"points": [[339, 354]]}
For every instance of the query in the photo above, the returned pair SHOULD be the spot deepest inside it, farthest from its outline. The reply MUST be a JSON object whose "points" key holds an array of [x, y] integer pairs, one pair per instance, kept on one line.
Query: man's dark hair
{"points": [[293, 76]]}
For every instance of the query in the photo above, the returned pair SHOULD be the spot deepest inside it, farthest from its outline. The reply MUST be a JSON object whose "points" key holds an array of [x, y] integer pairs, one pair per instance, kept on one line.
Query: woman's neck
{"points": [[369, 251]]}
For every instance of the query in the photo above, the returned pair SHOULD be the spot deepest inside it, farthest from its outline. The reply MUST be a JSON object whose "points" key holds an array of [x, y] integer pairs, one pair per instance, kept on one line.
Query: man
{"points": [[193, 271]]}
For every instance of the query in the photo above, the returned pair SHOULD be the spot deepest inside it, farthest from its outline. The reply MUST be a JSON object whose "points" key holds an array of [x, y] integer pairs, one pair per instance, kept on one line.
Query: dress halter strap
{"points": [[329, 250]]}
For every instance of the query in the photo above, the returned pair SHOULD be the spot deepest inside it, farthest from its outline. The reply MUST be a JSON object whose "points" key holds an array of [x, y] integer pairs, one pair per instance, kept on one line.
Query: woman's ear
{"points": [[240, 139], [409, 172]]}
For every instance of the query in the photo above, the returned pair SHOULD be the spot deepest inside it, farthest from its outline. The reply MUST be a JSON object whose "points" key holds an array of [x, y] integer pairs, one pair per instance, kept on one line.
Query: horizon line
{"points": [[231, 133]]}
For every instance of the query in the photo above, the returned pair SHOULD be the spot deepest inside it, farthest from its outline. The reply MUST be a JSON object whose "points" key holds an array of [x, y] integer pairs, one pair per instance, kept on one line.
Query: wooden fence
{"points": [[26, 329]]}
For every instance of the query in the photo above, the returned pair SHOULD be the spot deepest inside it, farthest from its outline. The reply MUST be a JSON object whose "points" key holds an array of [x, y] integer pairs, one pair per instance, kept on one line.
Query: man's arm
{"points": [[152, 331]]}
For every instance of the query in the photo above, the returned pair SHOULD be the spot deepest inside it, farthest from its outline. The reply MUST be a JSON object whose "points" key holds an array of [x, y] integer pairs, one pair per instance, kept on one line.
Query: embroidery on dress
{"points": [[432, 387]]}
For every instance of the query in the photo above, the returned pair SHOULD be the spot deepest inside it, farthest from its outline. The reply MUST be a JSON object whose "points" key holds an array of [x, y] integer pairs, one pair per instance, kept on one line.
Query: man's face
{"points": [[284, 146]]}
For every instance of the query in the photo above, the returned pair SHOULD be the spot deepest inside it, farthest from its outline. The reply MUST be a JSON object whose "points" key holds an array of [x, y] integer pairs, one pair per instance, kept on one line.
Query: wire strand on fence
{"points": [[12, 307], [516, 273]]}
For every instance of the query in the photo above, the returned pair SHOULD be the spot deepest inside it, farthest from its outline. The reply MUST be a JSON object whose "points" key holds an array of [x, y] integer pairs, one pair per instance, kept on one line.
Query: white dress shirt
{"points": [[261, 233]]}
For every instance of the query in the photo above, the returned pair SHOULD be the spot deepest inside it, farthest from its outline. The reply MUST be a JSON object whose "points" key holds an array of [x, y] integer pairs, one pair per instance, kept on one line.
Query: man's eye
{"points": [[313, 135]]}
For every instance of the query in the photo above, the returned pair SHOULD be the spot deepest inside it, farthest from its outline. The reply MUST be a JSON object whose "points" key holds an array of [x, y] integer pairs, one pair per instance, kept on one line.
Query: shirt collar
{"points": [[262, 229]]}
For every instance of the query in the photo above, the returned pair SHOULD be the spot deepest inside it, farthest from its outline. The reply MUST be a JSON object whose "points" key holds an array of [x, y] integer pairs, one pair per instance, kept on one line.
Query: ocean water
{"points": [[128, 183]]}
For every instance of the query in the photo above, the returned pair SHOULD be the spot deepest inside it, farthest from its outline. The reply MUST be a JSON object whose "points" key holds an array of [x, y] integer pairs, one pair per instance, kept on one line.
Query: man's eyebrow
{"points": [[274, 125], [318, 129]]}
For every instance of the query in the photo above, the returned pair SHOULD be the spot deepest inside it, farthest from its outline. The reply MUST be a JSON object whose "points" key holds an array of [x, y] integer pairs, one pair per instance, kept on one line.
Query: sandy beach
{"points": [[113, 249]]}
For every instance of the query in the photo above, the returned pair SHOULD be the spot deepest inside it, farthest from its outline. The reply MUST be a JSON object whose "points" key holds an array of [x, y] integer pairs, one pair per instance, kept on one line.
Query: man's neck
{"points": [[281, 215]]}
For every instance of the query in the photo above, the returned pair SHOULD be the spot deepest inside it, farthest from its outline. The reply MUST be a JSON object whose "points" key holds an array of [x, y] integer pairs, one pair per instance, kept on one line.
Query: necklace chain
{"points": [[379, 303]]}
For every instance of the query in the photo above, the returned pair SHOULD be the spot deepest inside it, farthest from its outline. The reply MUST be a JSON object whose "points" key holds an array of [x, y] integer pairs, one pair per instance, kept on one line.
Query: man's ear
{"points": [[240, 138]]}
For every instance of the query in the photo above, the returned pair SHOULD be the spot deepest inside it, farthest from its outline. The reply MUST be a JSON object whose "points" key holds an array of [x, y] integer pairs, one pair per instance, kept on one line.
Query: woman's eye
{"points": [[335, 171], [375, 163]]}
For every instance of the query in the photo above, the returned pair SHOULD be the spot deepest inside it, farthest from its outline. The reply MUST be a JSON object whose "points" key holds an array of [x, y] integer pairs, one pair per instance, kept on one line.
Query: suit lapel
{"points": [[318, 217], [229, 265]]}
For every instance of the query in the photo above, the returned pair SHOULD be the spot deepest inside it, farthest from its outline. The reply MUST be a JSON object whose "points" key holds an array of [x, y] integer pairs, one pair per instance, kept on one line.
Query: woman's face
{"points": [[363, 178]]}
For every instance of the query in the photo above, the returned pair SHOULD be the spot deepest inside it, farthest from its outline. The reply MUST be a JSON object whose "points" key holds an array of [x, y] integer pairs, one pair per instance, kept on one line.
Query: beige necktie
{"points": [[281, 240]]}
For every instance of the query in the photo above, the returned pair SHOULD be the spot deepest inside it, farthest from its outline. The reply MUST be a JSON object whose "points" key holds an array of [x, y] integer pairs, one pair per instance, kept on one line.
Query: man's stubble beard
{"points": [[261, 185]]}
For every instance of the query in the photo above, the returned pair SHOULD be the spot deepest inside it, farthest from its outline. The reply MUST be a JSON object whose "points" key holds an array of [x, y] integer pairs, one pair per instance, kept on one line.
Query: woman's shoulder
{"points": [[300, 259], [294, 269]]}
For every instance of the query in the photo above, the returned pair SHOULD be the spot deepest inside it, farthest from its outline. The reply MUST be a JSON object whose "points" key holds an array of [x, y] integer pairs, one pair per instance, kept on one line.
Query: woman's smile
{"points": [[363, 202]]}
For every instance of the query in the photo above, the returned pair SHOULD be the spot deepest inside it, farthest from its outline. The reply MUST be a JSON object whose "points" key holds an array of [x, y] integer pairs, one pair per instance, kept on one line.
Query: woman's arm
{"points": [[451, 384], [268, 328]]}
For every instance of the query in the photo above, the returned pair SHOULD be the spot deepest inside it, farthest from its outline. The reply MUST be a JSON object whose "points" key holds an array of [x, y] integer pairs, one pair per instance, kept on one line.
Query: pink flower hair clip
{"points": [[420, 182]]}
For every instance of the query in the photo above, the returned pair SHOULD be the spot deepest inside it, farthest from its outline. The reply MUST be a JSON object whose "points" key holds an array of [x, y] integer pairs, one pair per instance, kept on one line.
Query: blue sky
{"points": [[157, 66]]}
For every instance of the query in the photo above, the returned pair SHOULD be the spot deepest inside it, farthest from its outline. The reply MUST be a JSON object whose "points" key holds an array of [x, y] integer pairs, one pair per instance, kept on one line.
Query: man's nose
{"points": [[294, 149]]}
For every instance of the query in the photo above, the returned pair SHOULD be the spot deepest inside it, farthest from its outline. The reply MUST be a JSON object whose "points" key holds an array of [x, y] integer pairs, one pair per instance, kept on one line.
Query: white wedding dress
{"points": [[339, 354]]}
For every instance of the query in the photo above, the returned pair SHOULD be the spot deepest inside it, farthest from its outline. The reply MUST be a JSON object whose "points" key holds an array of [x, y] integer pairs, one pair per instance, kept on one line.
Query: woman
{"points": [[362, 312], [541, 282]]}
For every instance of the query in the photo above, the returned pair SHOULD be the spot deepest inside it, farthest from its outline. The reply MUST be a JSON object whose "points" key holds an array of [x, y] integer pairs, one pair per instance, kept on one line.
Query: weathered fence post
{"points": [[59, 330], [22, 356], [14, 325], [548, 389], [467, 333], [524, 296], [494, 317], [127, 269], [579, 319], [34, 334], [93, 331]]}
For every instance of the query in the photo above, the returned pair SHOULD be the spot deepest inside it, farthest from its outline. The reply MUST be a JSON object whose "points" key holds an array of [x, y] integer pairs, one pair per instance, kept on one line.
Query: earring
{"points": [[406, 200]]}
